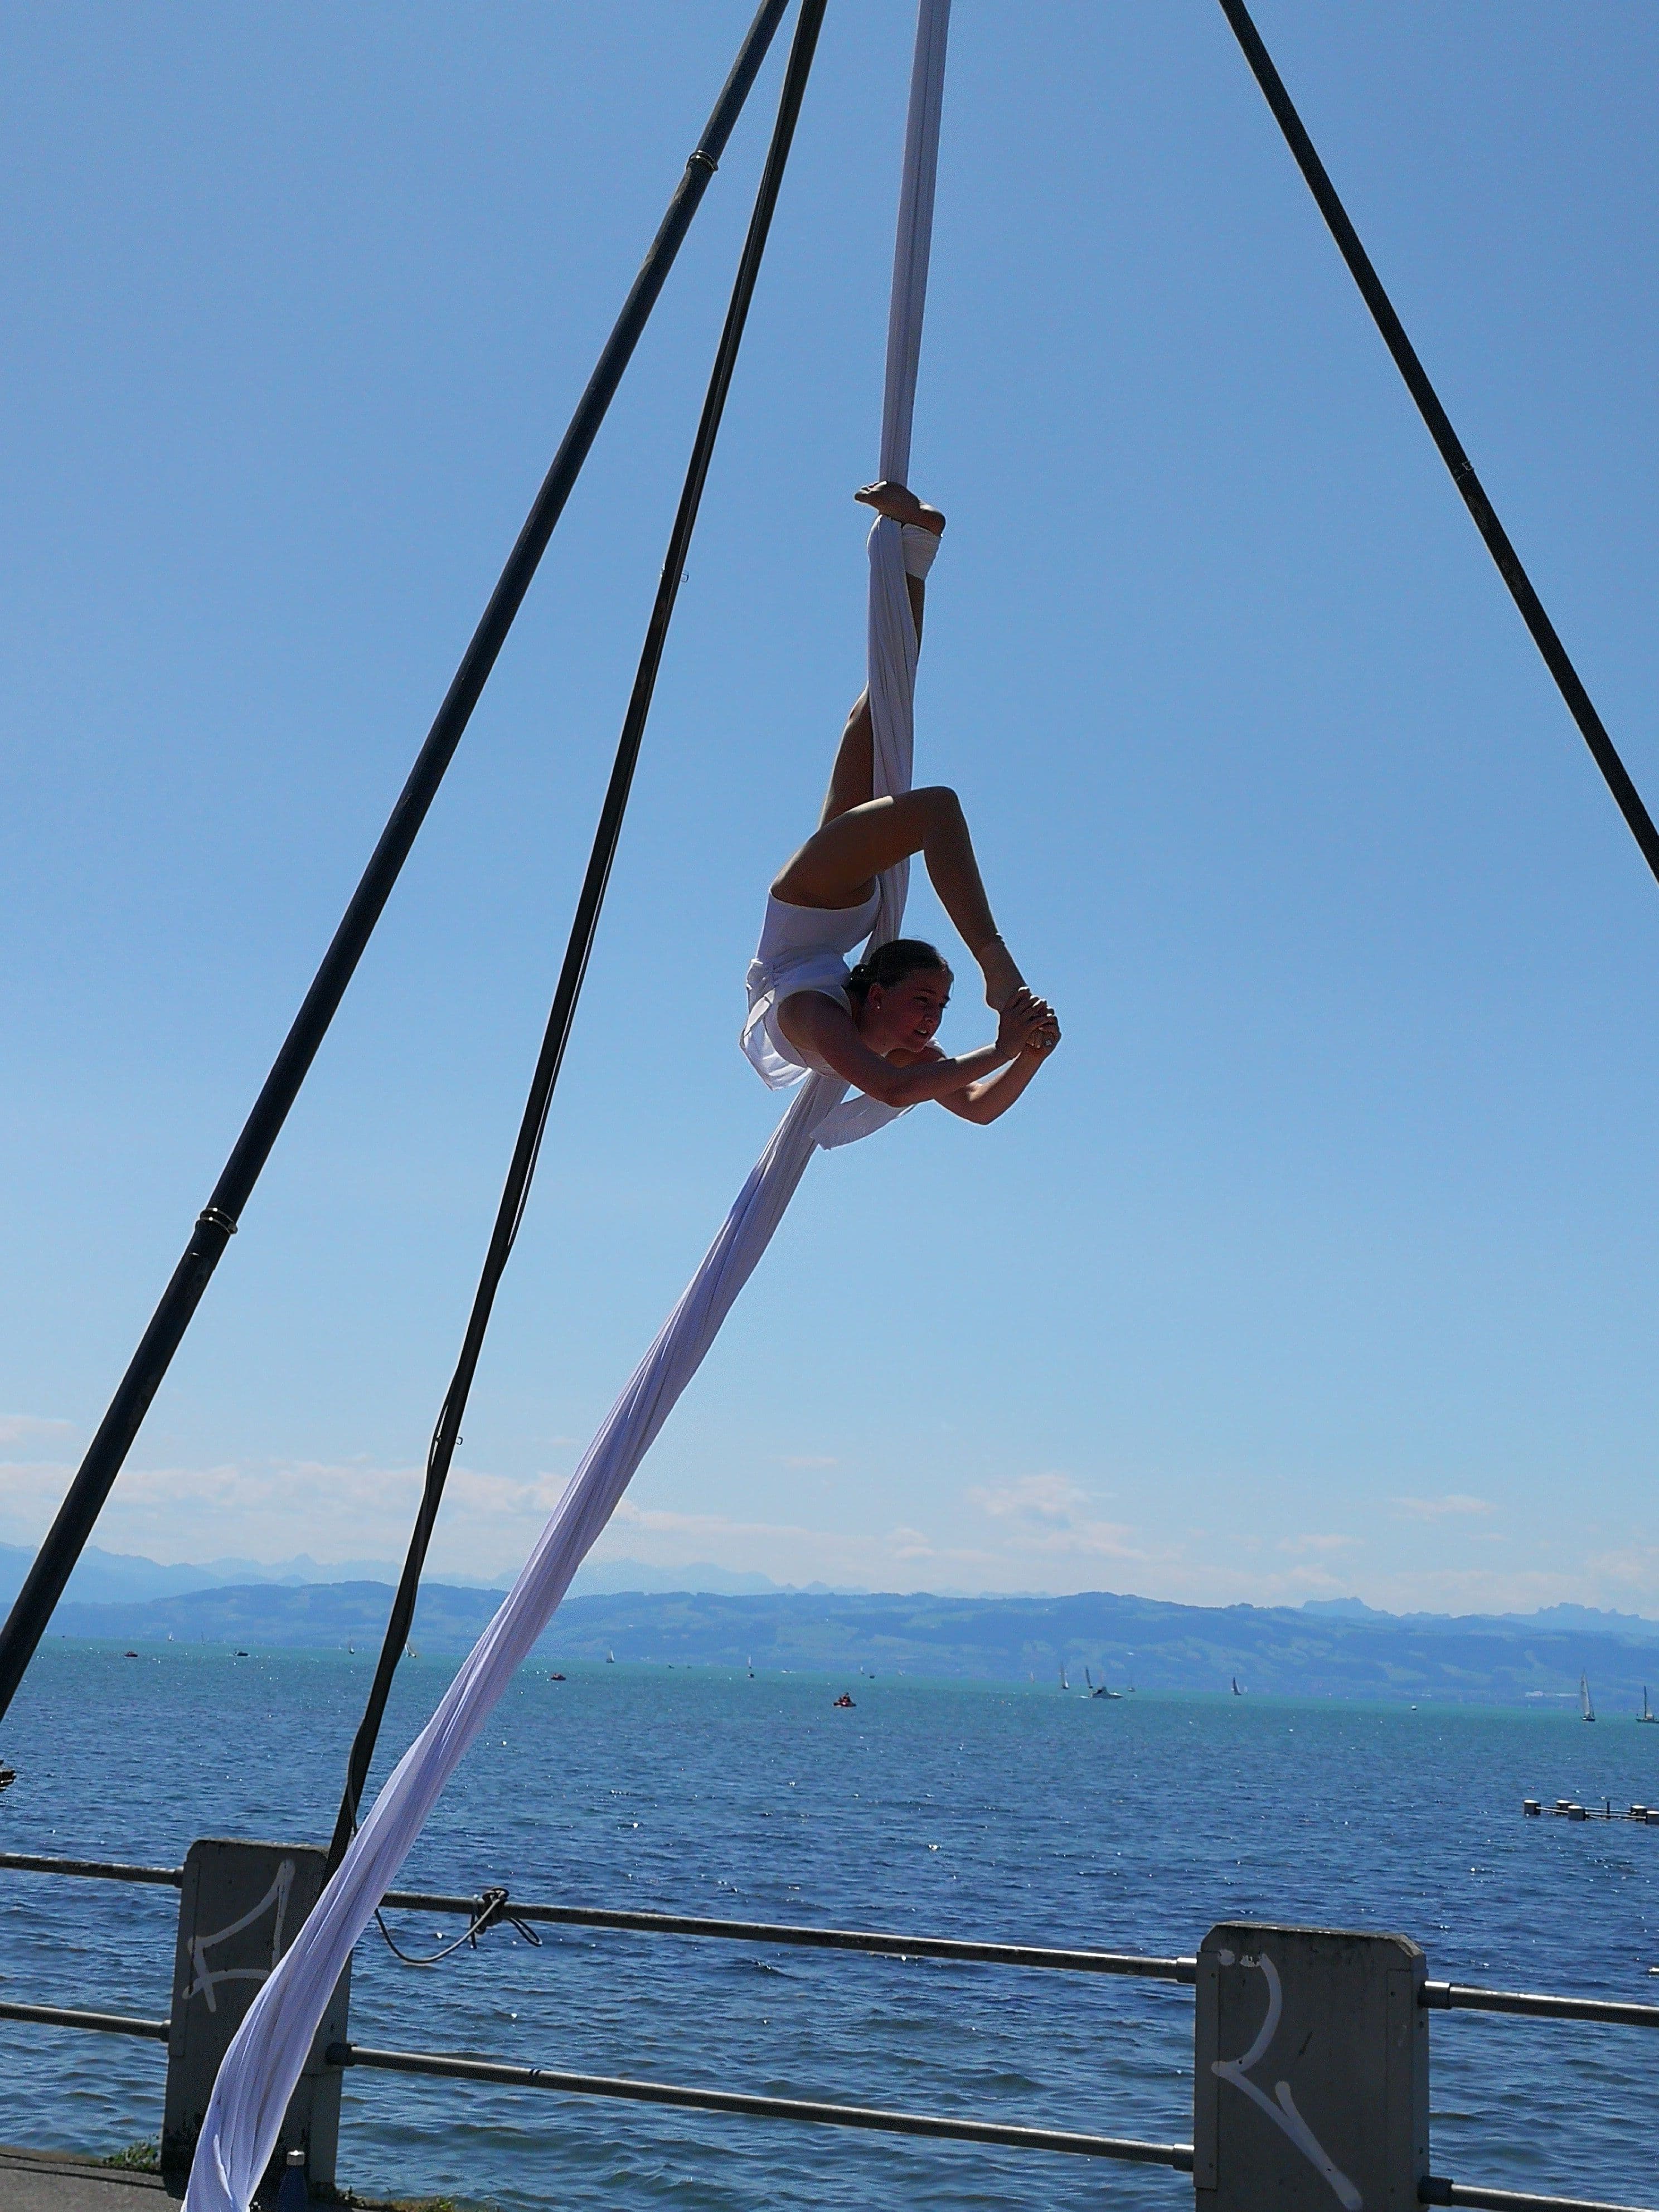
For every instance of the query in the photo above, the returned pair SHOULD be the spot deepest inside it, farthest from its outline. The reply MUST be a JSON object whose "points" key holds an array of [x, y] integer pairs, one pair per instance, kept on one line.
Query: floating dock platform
{"points": [[1568, 1808]]}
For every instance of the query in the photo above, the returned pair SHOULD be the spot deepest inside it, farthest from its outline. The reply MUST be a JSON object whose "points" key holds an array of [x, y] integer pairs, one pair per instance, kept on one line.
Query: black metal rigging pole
{"points": [[1579, 704], [583, 926], [218, 1220]]}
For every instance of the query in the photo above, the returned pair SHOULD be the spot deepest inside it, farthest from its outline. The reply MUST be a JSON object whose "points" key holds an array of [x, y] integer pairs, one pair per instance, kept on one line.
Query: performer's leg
{"points": [[852, 780], [838, 865]]}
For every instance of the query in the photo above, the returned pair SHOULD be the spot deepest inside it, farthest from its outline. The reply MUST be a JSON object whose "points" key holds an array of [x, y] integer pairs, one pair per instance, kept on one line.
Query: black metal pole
{"points": [[583, 926], [217, 1222], [1579, 704]]}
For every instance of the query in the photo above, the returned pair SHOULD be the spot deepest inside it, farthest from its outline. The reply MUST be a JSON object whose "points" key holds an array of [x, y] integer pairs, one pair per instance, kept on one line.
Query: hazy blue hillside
{"points": [[119, 1578], [1125, 1640]]}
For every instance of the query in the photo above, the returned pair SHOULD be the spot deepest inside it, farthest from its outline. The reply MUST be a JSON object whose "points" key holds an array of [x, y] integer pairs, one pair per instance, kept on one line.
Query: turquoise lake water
{"points": [[1013, 1815]]}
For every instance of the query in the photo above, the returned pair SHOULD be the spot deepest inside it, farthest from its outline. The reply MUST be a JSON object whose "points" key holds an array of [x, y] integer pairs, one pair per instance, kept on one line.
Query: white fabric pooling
{"points": [[270, 2050]]}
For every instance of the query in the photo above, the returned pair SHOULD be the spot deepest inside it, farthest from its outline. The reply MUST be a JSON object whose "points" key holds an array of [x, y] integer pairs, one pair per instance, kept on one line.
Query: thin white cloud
{"points": [[910, 1544], [657, 1520], [1635, 1568], [1051, 1498], [269, 1511], [1051, 1514], [1042, 1530], [1453, 1504], [33, 1429]]}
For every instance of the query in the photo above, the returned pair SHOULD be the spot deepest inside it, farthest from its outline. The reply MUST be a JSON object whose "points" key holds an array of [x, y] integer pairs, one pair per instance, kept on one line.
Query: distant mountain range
{"points": [[120, 1578], [1127, 1641], [1590, 1617]]}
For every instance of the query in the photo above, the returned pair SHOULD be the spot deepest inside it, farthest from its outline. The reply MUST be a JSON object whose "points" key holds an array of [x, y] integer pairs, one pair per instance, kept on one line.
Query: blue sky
{"points": [[1320, 1259]]}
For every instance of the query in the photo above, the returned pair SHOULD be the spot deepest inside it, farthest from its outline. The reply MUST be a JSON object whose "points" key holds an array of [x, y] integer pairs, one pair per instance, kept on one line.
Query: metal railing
{"points": [[819, 1939], [106, 2023], [1179, 2155], [1443, 1997]]}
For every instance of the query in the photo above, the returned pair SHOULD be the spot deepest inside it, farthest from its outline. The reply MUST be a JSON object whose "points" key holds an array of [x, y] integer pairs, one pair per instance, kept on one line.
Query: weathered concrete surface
{"points": [[240, 1905], [52, 2181], [58, 2181], [1311, 2071]]}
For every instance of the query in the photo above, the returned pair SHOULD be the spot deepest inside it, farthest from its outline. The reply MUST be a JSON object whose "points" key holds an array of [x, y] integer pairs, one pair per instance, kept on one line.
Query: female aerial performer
{"points": [[873, 1026]]}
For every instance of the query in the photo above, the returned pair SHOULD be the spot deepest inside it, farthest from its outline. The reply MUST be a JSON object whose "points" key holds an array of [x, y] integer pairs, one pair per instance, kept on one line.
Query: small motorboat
{"points": [[843, 1703], [555, 1678]]}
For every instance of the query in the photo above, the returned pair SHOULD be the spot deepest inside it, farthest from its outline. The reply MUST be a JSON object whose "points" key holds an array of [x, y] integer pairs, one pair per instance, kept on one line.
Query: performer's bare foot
{"points": [[1002, 978], [900, 502]]}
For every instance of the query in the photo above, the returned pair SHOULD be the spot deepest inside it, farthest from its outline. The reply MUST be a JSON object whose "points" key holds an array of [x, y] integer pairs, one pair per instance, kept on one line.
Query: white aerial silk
{"points": [[265, 2061]]}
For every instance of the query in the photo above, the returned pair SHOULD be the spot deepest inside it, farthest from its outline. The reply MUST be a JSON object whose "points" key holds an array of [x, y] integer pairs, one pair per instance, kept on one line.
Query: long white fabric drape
{"points": [[265, 2059]]}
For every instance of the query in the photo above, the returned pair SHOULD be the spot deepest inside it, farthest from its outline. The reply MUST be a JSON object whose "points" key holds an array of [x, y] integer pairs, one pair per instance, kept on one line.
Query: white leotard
{"points": [[801, 949]]}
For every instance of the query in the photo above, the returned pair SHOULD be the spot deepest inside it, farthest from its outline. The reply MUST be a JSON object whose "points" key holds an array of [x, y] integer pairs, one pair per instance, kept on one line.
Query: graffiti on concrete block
{"points": [[1280, 2107], [209, 1978]]}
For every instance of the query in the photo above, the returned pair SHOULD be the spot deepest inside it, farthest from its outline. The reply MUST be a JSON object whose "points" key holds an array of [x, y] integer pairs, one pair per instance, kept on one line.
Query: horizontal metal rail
{"points": [[93, 1870], [1443, 1997], [1455, 1996], [107, 2023], [1435, 2191], [1178, 2155], [822, 1939]]}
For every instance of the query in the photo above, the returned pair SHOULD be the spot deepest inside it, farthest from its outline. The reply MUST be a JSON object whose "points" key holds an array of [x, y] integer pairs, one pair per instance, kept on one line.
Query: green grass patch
{"points": [[412, 2205], [137, 2158]]}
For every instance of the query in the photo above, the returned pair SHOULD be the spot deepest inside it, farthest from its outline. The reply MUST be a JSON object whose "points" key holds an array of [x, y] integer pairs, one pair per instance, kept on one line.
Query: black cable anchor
{"points": [[490, 1911]]}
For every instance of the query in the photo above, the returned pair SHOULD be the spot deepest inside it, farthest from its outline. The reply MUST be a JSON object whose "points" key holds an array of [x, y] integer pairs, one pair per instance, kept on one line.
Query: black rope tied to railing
{"points": [[491, 1912], [584, 926], [216, 1224], [1568, 682]]}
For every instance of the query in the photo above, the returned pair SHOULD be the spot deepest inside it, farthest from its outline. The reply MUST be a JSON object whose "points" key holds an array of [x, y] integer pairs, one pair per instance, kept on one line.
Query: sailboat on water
{"points": [[1099, 1689], [1585, 1704], [1237, 1693], [1647, 1714], [1064, 1684]]}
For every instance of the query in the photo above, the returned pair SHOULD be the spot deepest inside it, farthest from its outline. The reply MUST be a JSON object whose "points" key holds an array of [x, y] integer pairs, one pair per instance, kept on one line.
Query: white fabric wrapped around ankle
{"points": [[919, 545]]}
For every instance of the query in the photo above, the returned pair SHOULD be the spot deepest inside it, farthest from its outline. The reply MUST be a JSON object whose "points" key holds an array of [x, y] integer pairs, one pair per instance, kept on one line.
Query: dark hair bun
{"points": [[890, 963]]}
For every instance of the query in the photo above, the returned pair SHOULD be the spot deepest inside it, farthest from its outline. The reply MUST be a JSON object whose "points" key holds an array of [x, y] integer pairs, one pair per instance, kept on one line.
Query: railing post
{"points": [[1311, 2072], [240, 1905]]}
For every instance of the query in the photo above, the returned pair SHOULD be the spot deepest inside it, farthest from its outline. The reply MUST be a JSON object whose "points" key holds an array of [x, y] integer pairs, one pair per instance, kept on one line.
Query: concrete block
{"points": [[241, 1906], [1311, 2079]]}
